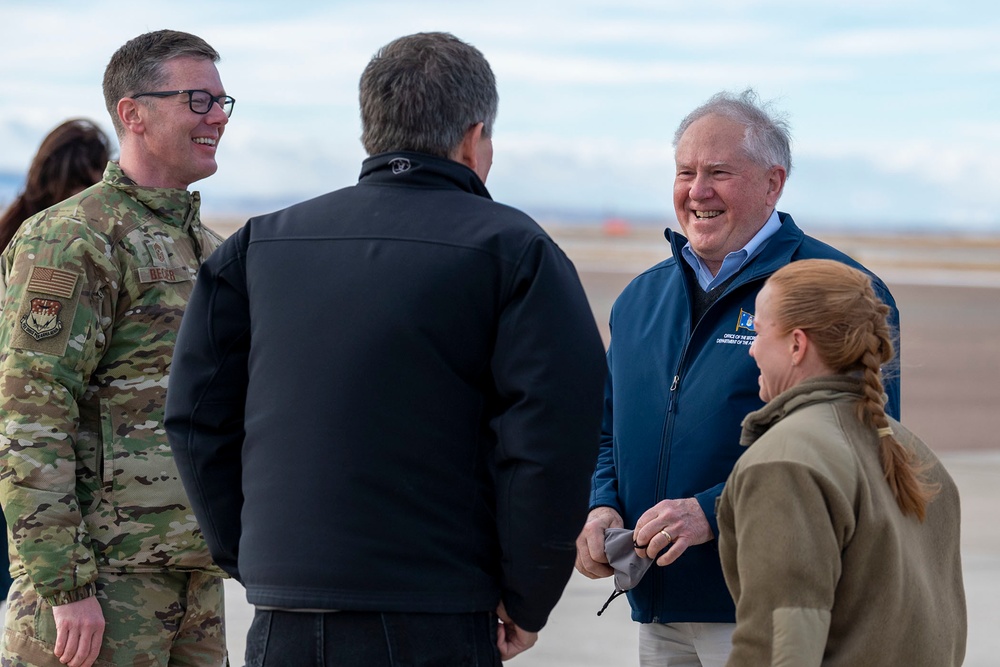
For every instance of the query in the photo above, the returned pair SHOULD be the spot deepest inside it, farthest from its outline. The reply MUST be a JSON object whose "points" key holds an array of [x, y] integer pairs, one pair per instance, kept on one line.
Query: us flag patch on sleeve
{"points": [[47, 310], [46, 280]]}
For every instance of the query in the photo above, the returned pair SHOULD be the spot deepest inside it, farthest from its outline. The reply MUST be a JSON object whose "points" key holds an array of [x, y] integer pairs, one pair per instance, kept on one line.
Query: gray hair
{"points": [[138, 65], [767, 140], [423, 92]]}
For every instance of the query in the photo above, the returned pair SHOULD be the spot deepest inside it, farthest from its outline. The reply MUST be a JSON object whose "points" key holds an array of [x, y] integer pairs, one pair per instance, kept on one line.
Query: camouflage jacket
{"points": [[95, 289]]}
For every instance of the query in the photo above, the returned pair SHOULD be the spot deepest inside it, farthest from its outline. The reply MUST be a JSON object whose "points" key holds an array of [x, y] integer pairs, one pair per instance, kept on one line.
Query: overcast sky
{"points": [[893, 104]]}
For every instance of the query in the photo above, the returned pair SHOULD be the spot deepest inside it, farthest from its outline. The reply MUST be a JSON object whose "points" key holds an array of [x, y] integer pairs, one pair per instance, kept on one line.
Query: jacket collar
{"points": [[808, 392], [777, 250], [405, 168], [171, 205]]}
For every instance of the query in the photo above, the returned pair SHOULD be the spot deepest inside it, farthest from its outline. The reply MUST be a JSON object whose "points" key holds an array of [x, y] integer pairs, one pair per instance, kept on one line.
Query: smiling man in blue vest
{"points": [[680, 379]]}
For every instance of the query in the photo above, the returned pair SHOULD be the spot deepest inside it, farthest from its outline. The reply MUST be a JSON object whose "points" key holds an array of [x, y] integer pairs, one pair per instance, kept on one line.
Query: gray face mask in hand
{"points": [[629, 566]]}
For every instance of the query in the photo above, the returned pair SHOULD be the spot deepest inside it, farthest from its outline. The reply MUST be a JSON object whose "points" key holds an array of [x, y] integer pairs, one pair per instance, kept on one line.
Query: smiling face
{"points": [[170, 145], [722, 198], [771, 349]]}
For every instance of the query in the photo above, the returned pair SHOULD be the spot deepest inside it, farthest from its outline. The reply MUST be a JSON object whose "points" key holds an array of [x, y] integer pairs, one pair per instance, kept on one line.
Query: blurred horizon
{"points": [[232, 212]]}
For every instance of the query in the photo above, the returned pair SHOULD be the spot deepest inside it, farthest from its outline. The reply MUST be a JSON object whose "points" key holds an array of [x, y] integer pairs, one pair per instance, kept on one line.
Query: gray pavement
{"points": [[576, 637]]}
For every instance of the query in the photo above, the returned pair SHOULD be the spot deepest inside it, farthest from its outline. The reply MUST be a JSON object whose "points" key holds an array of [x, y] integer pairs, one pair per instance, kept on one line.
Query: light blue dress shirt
{"points": [[734, 261]]}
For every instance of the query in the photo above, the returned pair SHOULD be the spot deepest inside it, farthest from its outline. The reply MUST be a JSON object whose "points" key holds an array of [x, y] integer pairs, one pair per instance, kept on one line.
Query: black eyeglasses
{"points": [[200, 101]]}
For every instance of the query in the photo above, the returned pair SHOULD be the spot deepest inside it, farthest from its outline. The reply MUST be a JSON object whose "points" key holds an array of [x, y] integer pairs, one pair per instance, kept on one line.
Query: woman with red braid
{"points": [[839, 529]]}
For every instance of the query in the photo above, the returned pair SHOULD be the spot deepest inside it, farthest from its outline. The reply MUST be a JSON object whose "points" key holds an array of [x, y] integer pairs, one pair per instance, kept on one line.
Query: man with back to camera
{"points": [[385, 402], [680, 381], [109, 562]]}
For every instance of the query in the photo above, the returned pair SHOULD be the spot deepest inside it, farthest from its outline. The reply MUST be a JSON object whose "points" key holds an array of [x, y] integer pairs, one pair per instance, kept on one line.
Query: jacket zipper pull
{"points": [[673, 388]]}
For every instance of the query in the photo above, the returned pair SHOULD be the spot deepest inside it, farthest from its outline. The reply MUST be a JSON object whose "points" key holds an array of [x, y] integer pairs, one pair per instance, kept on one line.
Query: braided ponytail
{"points": [[837, 308], [904, 474]]}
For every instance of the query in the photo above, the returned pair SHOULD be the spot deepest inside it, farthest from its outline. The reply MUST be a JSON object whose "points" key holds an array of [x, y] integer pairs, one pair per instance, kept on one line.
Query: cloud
{"points": [[971, 164], [603, 175], [892, 102], [920, 41], [927, 184], [591, 72]]}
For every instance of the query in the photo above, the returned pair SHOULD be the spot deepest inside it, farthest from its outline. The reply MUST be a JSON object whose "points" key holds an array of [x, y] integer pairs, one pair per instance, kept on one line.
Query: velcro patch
{"points": [[158, 274], [44, 323], [42, 319], [47, 280], [157, 252]]}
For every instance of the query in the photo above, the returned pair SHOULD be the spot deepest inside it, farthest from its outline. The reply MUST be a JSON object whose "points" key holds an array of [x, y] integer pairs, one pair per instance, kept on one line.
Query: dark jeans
{"points": [[372, 639]]}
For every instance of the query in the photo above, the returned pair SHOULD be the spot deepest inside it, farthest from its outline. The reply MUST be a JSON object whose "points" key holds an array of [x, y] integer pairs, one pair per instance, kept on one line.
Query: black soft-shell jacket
{"points": [[389, 398]]}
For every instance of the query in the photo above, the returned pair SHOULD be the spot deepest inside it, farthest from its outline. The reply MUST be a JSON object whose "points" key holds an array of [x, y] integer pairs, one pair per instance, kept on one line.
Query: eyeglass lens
{"points": [[202, 101]]}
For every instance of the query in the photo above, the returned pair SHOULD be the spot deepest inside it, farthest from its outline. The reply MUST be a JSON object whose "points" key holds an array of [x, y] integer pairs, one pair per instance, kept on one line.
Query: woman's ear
{"points": [[798, 346]]}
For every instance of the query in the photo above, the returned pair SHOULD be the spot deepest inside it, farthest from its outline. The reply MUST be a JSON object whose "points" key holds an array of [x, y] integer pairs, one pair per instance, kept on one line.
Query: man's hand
{"points": [[511, 639], [683, 520], [79, 631], [591, 561]]}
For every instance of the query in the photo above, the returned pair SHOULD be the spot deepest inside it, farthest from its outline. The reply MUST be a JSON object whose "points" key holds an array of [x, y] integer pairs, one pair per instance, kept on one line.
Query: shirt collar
{"points": [[735, 260]]}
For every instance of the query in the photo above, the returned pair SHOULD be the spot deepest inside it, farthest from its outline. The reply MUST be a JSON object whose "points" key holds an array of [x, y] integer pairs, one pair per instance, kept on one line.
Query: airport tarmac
{"points": [[576, 637]]}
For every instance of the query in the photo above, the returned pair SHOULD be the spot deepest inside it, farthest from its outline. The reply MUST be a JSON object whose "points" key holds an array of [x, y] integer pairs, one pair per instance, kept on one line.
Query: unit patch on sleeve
{"points": [[48, 307], [42, 320]]}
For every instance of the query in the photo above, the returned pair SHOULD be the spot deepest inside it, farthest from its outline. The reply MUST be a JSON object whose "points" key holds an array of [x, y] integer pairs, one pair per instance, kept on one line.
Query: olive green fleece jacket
{"points": [[823, 566]]}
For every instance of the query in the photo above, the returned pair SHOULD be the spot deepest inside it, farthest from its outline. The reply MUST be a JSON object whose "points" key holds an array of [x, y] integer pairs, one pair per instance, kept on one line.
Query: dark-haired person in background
{"points": [[109, 563], [71, 157]]}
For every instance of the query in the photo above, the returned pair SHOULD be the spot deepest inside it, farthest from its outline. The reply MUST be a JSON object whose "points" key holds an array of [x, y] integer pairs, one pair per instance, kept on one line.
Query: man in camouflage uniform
{"points": [[110, 565]]}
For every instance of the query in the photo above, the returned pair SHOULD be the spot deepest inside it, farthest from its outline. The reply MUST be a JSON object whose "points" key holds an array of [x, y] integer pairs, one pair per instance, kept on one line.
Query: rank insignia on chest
{"points": [[42, 320], [157, 252]]}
